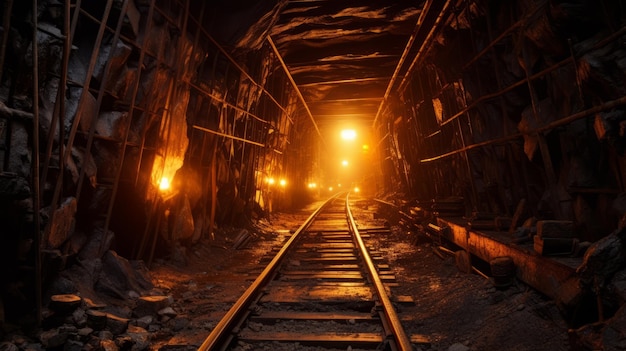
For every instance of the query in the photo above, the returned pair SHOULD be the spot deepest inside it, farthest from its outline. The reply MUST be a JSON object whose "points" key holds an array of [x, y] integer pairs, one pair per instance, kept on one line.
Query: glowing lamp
{"points": [[282, 182], [270, 181], [164, 184], [344, 163]]}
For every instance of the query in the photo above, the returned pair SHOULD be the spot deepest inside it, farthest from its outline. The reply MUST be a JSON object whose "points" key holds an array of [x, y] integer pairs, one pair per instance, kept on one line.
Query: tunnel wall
{"points": [[516, 101], [172, 120]]}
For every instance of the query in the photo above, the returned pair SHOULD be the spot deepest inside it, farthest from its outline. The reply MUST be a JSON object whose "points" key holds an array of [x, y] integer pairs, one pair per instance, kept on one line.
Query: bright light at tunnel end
{"points": [[348, 134]]}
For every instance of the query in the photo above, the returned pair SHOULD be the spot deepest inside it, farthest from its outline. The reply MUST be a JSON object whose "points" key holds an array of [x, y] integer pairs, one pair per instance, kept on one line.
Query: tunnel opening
{"points": [[137, 131]]}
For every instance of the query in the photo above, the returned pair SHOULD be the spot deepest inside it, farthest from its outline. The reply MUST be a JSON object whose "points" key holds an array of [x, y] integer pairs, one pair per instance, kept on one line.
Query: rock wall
{"points": [[156, 122], [518, 100]]}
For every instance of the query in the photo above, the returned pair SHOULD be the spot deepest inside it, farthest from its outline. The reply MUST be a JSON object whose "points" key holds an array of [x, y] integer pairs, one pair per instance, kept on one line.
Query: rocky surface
{"points": [[176, 304]]}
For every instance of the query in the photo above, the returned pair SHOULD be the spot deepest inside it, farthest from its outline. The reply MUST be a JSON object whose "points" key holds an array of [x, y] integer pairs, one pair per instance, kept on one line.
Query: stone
{"points": [[19, 157], [184, 225], [618, 286], [108, 345], [151, 305], [140, 337], [53, 338], [85, 331], [144, 321], [112, 124], [96, 319], [116, 61], [555, 229], [91, 250], [124, 342], [73, 345], [8, 346], [614, 331], [603, 259], [167, 312], [178, 324], [79, 317], [13, 187], [118, 276], [458, 347], [115, 324]]}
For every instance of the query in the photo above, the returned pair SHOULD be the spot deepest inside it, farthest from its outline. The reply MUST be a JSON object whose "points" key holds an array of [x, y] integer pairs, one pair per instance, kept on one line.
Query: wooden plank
{"points": [[324, 294], [318, 246], [329, 338], [318, 316], [319, 267]]}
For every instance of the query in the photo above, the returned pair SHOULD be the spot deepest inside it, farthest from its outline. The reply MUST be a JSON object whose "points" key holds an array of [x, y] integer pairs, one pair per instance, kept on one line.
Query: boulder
{"points": [[62, 225], [115, 324], [118, 276], [603, 259], [151, 305]]}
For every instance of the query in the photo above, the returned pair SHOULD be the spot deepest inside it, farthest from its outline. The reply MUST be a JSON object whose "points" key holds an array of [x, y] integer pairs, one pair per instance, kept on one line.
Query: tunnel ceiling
{"points": [[343, 54]]}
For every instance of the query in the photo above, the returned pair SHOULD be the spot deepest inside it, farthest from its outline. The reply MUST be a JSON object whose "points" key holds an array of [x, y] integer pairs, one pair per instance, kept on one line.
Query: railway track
{"points": [[322, 290]]}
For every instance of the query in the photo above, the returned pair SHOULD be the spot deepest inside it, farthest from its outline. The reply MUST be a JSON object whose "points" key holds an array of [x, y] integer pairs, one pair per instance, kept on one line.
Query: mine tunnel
{"points": [[137, 134]]}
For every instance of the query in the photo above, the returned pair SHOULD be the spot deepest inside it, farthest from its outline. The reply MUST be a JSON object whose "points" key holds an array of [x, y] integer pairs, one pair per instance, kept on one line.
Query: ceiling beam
{"points": [[295, 87], [346, 81]]}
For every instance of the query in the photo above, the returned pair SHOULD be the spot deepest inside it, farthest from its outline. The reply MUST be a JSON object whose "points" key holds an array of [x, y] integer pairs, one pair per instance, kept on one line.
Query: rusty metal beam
{"points": [[295, 87], [402, 340], [558, 123], [344, 81], [35, 169], [403, 58], [426, 44]]}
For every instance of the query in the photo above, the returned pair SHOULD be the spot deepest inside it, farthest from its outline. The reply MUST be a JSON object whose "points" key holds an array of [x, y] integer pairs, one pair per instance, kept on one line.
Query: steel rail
{"points": [[402, 340], [222, 328]]}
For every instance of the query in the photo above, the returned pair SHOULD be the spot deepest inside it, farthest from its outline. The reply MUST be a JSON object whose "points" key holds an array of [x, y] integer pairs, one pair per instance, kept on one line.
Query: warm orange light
{"points": [[312, 185], [270, 181], [344, 163], [348, 134], [282, 182], [164, 184], [366, 147], [356, 189], [330, 188]]}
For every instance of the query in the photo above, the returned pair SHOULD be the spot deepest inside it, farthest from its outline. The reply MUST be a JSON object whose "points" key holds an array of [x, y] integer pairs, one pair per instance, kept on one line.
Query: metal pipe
{"points": [[402, 340], [426, 43], [295, 87], [405, 54]]}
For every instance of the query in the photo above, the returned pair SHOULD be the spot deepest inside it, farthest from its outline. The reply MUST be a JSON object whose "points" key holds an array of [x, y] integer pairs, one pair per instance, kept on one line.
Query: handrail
{"points": [[403, 342], [220, 331]]}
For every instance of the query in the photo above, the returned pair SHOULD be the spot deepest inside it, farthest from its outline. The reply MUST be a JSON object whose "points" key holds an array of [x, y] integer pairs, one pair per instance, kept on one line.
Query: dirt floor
{"points": [[453, 310]]}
